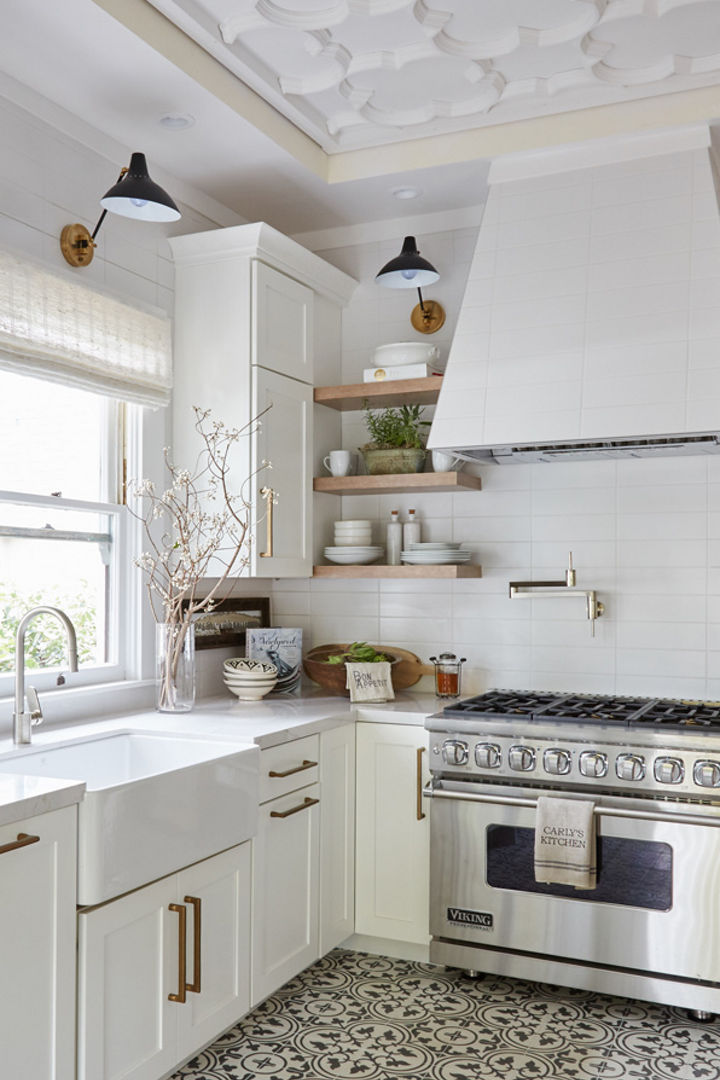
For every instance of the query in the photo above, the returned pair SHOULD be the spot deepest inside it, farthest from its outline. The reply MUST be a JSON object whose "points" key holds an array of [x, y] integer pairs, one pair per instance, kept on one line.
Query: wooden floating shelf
{"points": [[379, 395], [372, 570], [391, 483]]}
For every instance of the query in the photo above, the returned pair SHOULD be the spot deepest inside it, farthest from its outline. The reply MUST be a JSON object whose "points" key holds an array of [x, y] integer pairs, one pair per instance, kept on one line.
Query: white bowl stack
{"points": [[249, 680], [353, 544], [353, 533]]}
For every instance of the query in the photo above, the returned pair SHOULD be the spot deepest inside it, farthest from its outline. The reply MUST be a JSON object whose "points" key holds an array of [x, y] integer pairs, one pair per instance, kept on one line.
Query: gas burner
{"points": [[593, 709], [683, 714], [498, 703]]}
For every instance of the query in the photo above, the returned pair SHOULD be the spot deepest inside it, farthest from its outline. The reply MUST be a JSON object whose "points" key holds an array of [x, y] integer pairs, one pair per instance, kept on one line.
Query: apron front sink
{"points": [[154, 803]]}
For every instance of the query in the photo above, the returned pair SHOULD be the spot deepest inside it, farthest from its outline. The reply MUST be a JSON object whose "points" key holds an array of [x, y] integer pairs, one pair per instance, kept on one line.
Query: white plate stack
{"points": [[437, 553], [357, 533]]}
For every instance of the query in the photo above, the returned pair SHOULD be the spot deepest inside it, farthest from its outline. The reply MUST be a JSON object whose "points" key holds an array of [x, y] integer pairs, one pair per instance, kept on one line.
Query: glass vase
{"points": [[175, 666]]}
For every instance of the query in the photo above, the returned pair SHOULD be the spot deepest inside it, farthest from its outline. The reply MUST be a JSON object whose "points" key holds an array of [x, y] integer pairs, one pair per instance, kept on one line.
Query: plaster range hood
{"points": [[590, 325]]}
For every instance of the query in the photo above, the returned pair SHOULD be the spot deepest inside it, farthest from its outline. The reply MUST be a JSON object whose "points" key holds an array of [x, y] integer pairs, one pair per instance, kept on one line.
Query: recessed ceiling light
{"points": [[407, 192], [176, 121]]}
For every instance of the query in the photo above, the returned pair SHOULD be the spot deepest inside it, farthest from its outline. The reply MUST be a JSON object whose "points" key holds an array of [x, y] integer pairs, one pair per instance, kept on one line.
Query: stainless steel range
{"points": [[651, 927]]}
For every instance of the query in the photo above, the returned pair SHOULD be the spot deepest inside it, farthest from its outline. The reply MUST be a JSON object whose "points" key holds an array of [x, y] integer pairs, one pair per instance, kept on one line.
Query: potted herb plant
{"points": [[397, 440]]}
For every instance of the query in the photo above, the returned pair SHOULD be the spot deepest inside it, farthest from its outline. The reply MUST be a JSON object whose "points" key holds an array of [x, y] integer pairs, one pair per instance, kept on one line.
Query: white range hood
{"points": [[590, 323]]}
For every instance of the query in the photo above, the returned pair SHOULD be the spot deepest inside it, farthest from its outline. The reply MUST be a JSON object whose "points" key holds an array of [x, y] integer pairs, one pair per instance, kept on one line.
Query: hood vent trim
{"points": [[665, 446]]}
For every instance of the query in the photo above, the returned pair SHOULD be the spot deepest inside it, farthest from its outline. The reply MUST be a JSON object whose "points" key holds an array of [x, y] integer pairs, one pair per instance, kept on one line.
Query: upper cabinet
{"points": [[283, 324], [256, 320]]}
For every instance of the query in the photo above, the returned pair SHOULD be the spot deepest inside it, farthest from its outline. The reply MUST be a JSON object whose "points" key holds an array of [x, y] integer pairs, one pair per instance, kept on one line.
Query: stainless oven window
{"points": [[631, 872]]}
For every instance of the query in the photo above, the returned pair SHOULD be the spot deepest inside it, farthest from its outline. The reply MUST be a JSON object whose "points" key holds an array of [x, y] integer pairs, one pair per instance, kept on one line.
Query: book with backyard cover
{"points": [[279, 646]]}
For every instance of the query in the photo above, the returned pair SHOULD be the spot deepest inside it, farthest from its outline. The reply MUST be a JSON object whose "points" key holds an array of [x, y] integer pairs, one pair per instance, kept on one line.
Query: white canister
{"points": [[411, 531], [393, 545]]}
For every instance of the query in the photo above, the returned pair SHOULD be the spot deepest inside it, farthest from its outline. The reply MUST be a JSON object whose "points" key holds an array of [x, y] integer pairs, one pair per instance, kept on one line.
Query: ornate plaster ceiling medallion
{"points": [[366, 72]]}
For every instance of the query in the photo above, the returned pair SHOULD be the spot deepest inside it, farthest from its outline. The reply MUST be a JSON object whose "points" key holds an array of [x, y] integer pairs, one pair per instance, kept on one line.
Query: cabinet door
{"points": [[285, 890], [128, 962], [392, 853], [217, 895], [337, 836], [282, 324], [37, 947], [283, 538]]}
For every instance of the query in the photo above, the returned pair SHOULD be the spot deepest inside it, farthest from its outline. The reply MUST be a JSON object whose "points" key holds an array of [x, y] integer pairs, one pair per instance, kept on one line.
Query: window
{"points": [[61, 525]]}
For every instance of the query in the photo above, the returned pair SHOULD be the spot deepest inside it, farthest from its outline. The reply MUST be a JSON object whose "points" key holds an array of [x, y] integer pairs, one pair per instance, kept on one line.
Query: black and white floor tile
{"points": [[353, 1016]]}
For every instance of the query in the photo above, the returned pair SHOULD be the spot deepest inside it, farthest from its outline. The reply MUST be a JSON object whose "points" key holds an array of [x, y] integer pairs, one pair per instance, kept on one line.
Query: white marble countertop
{"points": [[25, 796]]}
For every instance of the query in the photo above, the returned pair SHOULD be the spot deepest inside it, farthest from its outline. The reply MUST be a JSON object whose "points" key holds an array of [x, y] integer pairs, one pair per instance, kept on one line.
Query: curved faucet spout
{"points": [[23, 720]]}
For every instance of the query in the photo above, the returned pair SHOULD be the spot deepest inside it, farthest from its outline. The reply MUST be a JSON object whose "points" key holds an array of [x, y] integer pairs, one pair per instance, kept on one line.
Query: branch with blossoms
{"points": [[193, 526]]}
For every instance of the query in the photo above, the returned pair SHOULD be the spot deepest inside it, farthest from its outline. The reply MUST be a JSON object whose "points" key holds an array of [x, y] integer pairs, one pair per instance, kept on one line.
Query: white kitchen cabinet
{"points": [[283, 324], [163, 970], [246, 337], [337, 836], [37, 946], [392, 835], [283, 530], [286, 866]]}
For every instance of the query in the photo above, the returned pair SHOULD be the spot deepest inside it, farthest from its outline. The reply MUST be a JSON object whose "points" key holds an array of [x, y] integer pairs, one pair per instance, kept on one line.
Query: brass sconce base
{"points": [[77, 245], [428, 318]]}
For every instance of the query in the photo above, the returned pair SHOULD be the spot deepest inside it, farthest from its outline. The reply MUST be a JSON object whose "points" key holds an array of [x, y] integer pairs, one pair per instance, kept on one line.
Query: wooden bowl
{"points": [[332, 676], [405, 667]]}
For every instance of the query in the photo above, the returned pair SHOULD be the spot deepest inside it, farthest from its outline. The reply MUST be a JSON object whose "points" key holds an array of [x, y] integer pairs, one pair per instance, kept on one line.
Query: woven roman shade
{"points": [[57, 328]]}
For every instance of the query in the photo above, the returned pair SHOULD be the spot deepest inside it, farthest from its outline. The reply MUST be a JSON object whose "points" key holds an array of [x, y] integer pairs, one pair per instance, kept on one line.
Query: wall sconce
{"points": [[134, 195], [409, 270]]}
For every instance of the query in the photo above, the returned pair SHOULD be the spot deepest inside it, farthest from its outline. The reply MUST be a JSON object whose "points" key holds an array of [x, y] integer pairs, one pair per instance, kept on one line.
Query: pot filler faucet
{"points": [[593, 607], [23, 721]]}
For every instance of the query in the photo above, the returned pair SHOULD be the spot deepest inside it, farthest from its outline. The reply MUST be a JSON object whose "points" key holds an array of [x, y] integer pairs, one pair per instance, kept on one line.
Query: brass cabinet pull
{"points": [[23, 840], [295, 809], [268, 494], [182, 948], [419, 785], [298, 768], [194, 986]]}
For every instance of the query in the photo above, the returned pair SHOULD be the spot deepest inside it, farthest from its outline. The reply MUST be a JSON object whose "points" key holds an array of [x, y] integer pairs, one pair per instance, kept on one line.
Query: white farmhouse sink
{"points": [[154, 802]]}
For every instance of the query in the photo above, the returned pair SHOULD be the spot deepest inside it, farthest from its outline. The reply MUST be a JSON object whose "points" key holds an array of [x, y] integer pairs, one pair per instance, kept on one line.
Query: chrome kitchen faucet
{"points": [[24, 721]]}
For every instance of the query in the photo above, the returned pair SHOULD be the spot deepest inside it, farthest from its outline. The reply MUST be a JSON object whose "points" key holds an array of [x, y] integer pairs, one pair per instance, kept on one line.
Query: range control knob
{"points": [[669, 770], [487, 755], [707, 773], [521, 758], [557, 761], [630, 766], [455, 752], [593, 763]]}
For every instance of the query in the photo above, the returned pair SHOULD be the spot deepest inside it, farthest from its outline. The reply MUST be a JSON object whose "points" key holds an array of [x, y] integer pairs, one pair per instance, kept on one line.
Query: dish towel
{"points": [[565, 844], [369, 682]]}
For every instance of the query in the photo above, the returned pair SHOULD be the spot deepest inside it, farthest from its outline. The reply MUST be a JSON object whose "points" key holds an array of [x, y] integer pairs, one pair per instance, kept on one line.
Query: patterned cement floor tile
{"points": [[353, 1016]]}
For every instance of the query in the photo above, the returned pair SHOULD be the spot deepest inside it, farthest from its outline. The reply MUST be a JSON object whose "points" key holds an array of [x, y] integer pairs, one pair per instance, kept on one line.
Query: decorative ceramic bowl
{"points": [[249, 669], [249, 691]]}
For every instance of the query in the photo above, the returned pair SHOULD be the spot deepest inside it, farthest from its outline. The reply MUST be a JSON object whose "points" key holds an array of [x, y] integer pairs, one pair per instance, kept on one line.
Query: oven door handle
{"points": [[432, 791]]}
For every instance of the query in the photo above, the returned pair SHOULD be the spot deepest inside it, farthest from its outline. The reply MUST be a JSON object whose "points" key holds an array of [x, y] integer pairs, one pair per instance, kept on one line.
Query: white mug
{"points": [[444, 462], [339, 462]]}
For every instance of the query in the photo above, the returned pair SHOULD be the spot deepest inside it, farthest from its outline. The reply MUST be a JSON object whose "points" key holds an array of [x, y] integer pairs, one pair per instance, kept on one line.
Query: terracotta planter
{"points": [[382, 462]]}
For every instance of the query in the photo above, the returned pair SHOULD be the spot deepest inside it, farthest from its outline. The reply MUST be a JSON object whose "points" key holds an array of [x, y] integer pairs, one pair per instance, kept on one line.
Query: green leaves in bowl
{"points": [[359, 652]]}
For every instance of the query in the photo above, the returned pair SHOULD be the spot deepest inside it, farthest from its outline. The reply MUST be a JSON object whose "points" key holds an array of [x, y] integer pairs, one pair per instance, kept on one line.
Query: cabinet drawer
{"points": [[288, 767]]}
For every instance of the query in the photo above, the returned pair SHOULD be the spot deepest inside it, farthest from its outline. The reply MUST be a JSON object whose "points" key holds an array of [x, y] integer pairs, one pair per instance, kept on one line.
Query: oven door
{"points": [[655, 908]]}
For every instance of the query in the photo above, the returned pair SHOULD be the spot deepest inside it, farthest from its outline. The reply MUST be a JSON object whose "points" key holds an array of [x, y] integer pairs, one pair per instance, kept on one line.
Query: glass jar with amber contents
{"points": [[448, 672]]}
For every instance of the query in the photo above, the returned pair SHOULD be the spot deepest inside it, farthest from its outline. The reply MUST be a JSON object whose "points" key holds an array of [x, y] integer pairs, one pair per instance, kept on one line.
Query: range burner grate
{"points": [[588, 709]]}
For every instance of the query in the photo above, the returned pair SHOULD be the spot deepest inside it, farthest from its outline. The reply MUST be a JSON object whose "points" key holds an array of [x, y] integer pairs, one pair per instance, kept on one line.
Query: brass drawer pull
{"points": [[295, 809], [182, 949], [194, 986], [298, 768], [419, 785], [268, 495], [23, 840]]}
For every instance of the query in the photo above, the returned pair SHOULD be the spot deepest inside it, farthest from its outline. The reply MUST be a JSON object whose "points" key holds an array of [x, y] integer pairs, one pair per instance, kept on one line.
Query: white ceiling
{"points": [[310, 113]]}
